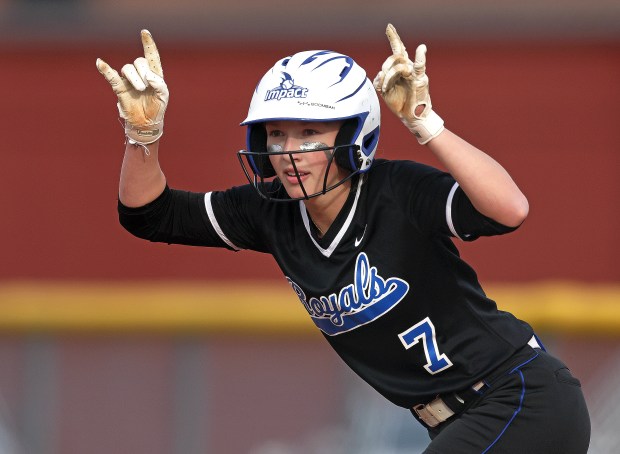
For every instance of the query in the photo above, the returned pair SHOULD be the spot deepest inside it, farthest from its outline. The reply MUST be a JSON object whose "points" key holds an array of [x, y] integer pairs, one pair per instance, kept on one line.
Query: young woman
{"points": [[366, 243]]}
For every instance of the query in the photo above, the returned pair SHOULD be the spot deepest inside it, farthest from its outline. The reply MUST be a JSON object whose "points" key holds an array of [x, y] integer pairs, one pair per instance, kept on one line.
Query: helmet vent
{"points": [[369, 141]]}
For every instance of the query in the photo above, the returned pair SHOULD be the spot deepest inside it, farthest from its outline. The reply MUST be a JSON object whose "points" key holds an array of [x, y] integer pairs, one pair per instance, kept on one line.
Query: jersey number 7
{"points": [[425, 330]]}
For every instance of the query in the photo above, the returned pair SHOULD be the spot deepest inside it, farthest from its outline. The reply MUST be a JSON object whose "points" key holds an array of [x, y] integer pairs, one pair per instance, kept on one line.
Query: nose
{"points": [[291, 144]]}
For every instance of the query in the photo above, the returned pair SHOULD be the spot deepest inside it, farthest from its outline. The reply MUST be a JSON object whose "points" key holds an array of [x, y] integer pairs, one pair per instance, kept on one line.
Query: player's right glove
{"points": [[142, 93], [403, 84]]}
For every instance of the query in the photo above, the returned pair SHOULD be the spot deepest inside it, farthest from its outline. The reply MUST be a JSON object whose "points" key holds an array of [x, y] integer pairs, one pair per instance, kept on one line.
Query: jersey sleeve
{"points": [[466, 222], [436, 203], [237, 216], [175, 217], [213, 219]]}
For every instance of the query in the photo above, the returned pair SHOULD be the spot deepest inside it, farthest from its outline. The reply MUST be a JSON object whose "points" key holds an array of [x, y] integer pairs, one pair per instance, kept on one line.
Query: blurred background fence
{"points": [[112, 345]]}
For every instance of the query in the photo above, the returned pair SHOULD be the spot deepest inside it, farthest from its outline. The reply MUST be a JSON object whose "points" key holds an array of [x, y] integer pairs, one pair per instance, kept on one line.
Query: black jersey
{"points": [[385, 284]]}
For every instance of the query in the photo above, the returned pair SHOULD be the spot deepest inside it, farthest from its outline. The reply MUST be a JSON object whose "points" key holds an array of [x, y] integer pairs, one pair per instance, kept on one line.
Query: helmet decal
{"points": [[356, 90], [286, 89], [287, 81], [347, 68]]}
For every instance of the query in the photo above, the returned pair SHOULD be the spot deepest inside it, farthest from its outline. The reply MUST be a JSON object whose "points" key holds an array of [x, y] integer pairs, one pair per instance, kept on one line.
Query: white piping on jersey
{"points": [[304, 216], [449, 211], [216, 224]]}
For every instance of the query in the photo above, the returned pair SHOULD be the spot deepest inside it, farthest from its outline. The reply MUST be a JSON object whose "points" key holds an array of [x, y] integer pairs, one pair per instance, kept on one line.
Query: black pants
{"points": [[536, 407]]}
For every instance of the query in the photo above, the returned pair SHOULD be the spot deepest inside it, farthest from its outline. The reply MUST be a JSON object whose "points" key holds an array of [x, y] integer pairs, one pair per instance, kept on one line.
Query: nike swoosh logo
{"points": [[358, 241]]}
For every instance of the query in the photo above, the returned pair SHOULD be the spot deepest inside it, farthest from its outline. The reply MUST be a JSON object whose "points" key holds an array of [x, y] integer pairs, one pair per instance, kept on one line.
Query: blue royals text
{"points": [[369, 297]]}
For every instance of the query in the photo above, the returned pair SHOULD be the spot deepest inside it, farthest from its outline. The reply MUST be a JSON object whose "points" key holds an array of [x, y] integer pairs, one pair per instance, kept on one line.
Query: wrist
{"points": [[144, 135], [425, 129]]}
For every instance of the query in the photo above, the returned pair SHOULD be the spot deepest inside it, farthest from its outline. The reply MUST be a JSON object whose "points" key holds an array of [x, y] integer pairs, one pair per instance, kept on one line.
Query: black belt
{"points": [[447, 405]]}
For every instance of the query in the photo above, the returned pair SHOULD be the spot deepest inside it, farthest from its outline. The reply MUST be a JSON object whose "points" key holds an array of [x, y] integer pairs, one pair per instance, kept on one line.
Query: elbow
{"points": [[137, 222], [516, 212]]}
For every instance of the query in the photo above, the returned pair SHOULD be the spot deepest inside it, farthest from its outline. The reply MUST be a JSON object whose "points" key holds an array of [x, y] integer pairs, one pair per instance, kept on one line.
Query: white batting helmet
{"points": [[319, 85]]}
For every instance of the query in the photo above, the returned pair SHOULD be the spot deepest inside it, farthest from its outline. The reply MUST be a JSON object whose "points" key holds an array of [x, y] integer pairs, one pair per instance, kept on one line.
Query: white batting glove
{"points": [[403, 84], [142, 93]]}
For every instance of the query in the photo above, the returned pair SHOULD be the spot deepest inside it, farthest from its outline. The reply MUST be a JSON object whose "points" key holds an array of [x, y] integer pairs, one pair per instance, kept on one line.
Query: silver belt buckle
{"points": [[433, 413]]}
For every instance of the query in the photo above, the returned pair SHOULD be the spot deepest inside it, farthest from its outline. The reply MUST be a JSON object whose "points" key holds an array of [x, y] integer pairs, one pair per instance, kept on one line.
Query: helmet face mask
{"points": [[259, 165], [313, 86]]}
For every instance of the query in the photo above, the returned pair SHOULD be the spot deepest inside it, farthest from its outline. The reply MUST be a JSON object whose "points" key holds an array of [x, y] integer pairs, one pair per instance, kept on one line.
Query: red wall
{"points": [[549, 113]]}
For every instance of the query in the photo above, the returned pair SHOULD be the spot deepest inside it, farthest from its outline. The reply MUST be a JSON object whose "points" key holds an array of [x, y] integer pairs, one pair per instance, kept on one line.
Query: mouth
{"points": [[291, 176]]}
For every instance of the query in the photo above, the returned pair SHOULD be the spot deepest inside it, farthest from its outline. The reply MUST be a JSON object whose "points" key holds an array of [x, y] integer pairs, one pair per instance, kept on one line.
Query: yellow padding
{"points": [[252, 307], [563, 306]]}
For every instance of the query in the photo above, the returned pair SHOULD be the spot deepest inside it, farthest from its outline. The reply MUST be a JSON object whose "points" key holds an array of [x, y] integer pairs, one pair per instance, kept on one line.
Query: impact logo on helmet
{"points": [[287, 89]]}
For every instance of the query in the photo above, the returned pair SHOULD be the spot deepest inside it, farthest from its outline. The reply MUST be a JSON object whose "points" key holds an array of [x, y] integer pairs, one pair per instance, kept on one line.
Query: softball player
{"points": [[367, 244]]}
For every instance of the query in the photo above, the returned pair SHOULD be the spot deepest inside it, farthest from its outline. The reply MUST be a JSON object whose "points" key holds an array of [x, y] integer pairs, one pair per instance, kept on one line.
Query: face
{"points": [[311, 167]]}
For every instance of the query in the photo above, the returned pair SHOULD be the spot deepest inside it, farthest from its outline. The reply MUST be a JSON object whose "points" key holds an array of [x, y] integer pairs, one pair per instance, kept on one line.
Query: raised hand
{"points": [[142, 93], [404, 86]]}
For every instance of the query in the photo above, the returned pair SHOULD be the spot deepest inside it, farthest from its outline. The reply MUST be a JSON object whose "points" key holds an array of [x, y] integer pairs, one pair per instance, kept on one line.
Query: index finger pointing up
{"points": [[398, 48], [151, 53]]}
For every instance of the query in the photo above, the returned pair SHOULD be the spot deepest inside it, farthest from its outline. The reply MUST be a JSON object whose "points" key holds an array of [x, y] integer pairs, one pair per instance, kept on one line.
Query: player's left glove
{"points": [[142, 93], [403, 84]]}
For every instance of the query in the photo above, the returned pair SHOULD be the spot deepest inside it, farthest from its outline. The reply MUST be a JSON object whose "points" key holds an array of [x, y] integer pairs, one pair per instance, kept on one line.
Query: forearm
{"points": [[487, 184], [142, 98], [141, 179]]}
